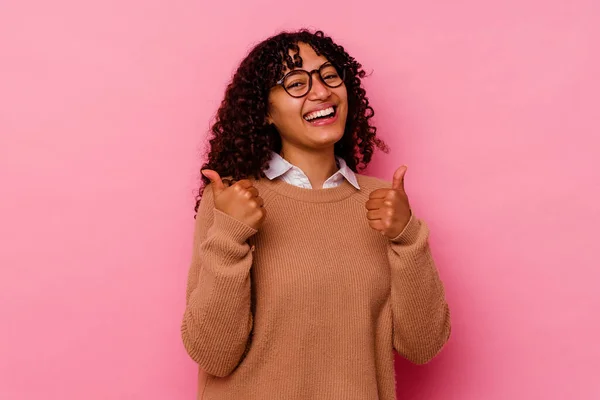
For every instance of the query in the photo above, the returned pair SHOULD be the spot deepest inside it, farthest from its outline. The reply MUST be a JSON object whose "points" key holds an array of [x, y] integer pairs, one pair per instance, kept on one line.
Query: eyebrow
{"points": [[302, 69]]}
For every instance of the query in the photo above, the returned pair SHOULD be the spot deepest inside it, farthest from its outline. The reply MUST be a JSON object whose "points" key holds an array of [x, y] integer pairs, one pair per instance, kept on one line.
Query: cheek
{"points": [[343, 94], [282, 110]]}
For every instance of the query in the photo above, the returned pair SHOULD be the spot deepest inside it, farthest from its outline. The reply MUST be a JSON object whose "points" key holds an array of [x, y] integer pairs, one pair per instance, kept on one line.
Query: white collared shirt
{"points": [[279, 167]]}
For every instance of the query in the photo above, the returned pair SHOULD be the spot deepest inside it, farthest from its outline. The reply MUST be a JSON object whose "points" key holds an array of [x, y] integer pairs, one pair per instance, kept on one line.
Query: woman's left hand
{"points": [[388, 209]]}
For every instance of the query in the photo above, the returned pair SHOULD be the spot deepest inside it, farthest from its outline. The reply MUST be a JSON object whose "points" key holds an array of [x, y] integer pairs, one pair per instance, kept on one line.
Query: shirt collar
{"points": [[279, 166]]}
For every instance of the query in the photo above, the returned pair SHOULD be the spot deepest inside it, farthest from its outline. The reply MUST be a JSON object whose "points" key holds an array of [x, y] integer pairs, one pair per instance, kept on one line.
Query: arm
{"points": [[421, 318], [217, 320]]}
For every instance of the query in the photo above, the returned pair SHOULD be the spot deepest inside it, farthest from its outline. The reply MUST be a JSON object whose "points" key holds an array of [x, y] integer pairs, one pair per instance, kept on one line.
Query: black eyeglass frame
{"points": [[341, 72]]}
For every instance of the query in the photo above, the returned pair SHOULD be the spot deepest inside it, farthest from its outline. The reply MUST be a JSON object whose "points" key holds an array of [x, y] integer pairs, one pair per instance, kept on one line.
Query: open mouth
{"points": [[321, 115]]}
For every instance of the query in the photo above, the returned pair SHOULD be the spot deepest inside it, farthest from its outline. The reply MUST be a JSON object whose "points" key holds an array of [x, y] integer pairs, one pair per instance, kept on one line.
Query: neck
{"points": [[318, 166]]}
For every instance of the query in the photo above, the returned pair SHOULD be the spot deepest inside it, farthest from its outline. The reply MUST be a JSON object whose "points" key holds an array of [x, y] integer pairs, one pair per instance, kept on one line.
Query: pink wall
{"points": [[103, 109]]}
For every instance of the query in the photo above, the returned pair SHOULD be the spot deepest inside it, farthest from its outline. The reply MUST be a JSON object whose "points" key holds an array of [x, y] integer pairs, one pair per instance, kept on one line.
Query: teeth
{"points": [[320, 113]]}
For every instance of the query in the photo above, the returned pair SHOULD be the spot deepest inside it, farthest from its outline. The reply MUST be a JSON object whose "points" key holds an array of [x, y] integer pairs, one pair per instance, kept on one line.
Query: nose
{"points": [[318, 91]]}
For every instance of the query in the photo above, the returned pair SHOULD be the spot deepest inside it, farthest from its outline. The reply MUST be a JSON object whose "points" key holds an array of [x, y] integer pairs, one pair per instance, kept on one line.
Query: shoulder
{"points": [[372, 181], [368, 184]]}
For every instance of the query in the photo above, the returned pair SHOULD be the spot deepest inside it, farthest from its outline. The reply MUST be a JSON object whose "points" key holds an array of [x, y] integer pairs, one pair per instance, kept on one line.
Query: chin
{"points": [[328, 134], [327, 137]]}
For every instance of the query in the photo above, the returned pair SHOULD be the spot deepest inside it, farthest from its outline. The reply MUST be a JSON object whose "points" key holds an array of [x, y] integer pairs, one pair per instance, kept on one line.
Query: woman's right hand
{"points": [[240, 200]]}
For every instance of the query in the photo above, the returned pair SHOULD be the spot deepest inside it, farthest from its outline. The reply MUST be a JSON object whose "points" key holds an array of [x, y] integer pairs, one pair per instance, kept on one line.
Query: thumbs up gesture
{"points": [[240, 200], [388, 210]]}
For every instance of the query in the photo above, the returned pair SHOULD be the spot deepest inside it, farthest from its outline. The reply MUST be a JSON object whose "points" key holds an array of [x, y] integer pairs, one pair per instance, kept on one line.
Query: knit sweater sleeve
{"points": [[421, 318], [218, 320]]}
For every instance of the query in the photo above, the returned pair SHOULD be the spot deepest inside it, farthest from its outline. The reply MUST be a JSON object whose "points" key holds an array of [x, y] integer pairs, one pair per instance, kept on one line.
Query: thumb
{"points": [[215, 179], [398, 182]]}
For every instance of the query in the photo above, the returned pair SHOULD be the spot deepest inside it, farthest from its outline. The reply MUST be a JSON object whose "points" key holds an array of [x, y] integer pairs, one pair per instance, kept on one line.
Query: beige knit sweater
{"points": [[312, 305]]}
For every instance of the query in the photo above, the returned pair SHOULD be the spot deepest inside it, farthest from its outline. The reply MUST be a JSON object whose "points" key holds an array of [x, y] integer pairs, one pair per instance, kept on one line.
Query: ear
{"points": [[269, 119]]}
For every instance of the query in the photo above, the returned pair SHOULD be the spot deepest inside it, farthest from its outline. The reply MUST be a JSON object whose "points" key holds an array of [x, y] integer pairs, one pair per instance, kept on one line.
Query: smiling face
{"points": [[315, 121]]}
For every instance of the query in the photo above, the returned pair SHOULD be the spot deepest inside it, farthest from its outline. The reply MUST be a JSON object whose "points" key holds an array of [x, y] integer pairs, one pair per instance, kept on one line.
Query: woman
{"points": [[309, 300]]}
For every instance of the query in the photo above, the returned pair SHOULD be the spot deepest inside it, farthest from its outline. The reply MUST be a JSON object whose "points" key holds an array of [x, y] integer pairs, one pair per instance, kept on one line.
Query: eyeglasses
{"points": [[298, 83]]}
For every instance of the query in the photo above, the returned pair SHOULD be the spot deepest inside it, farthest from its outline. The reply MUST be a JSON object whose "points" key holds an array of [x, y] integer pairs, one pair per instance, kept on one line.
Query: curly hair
{"points": [[241, 136]]}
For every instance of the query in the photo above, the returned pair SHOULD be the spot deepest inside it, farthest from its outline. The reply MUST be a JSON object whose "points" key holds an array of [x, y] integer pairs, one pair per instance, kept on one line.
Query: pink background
{"points": [[104, 106]]}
